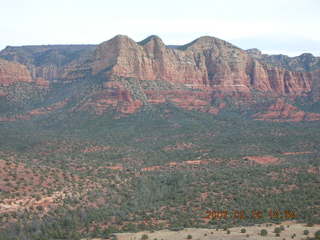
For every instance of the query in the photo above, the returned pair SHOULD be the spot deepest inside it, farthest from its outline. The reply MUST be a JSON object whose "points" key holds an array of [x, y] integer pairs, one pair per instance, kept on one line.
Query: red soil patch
{"points": [[172, 164], [27, 187], [114, 96], [153, 168], [12, 205], [42, 82], [45, 110], [175, 165], [116, 167], [295, 153], [314, 170], [284, 112], [35, 112], [186, 99], [263, 159], [196, 162]]}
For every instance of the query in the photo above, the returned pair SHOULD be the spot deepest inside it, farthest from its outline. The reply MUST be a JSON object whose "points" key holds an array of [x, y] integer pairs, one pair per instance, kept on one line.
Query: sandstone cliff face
{"points": [[11, 72], [149, 60], [279, 80], [197, 73], [194, 65], [315, 92], [17, 87], [206, 63], [212, 66]]}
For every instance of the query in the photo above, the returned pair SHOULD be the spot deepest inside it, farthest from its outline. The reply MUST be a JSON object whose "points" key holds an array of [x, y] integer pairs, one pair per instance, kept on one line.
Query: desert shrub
{"points": [[243, 230], [264, 232], [277, 230], [189, 236], [305, 232], [144, 237], [39, 208]]}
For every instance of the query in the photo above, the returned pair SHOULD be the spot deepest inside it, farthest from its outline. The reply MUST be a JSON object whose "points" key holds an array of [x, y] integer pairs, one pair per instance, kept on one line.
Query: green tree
{"points": [[144, 237], [264, 232], [277, 230]]}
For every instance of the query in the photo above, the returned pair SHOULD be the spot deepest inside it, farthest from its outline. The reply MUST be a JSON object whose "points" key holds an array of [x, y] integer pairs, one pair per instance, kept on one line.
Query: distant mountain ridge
{"points": [[303, 62], [129, 75]]}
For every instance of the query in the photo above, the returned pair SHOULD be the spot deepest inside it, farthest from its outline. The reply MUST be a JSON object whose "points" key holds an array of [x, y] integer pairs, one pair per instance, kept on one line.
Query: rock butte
{"points": [[206, 63], [198, 73]]}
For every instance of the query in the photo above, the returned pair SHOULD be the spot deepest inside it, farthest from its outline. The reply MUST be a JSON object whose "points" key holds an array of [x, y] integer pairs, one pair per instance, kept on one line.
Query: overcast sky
{"points": [[274, 26]]}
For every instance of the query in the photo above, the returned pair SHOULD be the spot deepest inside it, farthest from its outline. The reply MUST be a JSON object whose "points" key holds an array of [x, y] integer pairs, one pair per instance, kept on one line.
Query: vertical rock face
{"points": [[148, 60], [315, 92], [206, 63], [279, 80], [17, 87], [132, 74], [225, 64], [11, 73]]}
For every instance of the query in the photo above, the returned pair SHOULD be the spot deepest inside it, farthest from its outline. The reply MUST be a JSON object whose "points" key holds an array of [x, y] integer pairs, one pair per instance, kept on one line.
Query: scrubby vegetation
{"points": [[71, 176]]}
